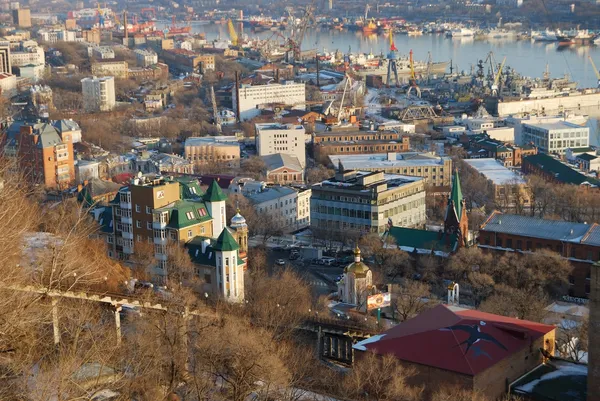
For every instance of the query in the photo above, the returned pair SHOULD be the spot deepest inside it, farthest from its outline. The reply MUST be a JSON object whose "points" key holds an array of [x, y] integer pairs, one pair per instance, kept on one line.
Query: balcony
{"points": [[127, 235]]}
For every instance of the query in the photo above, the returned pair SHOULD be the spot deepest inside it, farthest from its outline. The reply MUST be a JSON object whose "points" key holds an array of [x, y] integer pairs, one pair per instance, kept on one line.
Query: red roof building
{"points": [[455, 347]]}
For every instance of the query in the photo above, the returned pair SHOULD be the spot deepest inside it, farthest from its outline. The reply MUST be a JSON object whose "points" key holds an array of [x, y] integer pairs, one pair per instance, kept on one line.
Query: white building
{"points": [[185, 45], [85, 170], [518, 122], [8, 85], [253, 96], [145, 58], [356, 284], [556, 137], [272, 138], [33, 55], [33, 72], [56, 35], [282, 203], [103, 52], [98, 93]]}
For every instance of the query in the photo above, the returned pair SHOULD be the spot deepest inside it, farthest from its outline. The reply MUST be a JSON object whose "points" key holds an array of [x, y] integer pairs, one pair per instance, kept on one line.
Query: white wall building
{"points": [[252, 96], [31, 55], [8, 85], [272, 138], [282, 204], [556, 137], [145, 58], [33, 72], [98, 93], [103, 52], [518, 122]]}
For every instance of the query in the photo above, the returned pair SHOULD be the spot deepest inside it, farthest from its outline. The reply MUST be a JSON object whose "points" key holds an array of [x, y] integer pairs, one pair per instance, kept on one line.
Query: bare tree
{"points": [[572, 339], [410, 299], [517, 303]]}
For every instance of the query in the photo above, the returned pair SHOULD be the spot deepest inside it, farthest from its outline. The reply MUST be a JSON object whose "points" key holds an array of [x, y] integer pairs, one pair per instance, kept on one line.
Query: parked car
{"points": [[280, 262], [294, 256]]}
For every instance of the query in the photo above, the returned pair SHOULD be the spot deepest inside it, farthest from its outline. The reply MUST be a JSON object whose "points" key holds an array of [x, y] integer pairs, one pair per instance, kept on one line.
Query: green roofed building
{"points": [[443, 242], [163, 211]]}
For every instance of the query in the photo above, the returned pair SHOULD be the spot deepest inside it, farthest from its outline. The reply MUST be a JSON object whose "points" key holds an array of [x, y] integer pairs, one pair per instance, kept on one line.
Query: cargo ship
{"points": [[369, 28]]}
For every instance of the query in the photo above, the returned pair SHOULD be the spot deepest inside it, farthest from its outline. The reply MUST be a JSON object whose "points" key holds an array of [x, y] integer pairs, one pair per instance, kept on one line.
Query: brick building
{"points": [[578, 242], [41, 153], [481, 146], [556, 171], [358, 142], [452, 347], [283, 169]]}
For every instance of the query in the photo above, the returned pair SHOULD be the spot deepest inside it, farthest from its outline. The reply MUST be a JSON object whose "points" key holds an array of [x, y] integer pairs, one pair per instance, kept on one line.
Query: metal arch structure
{"points": [[414, 113]]}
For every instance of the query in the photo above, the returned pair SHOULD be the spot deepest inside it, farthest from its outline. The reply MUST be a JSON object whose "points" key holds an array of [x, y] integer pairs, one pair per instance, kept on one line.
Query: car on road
{"points": [[294, 256], [280, 262]]}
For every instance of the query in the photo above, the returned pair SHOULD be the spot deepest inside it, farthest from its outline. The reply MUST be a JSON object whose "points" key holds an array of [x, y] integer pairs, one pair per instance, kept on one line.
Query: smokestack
{"points": [[125, 27], [318, 71], [237, 96]]}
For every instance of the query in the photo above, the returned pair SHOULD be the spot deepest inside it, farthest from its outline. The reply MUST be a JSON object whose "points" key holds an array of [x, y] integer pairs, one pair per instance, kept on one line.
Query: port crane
{"points": [[232, 33], [495, 84], [595, 70], [413, 78]]}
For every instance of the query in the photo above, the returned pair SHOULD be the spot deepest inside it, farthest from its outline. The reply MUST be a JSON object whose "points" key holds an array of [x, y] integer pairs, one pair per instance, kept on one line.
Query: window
{"points": [[509, 243], [148, 210], [207, 278], [138, 224], [139, 238], [571, 279], [519, 244], [202, 230], [137, 208], [148, 225], [189, 215], [110, 239], [190, 234]]}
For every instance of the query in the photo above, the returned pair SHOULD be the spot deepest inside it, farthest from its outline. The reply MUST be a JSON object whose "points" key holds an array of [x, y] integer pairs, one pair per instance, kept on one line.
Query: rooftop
{"points": [[279, 160], [439, 337], [278, 126], [357, 181], [561, 172], [495, 171], [269, 194], [555, 126], [534, 227], [555, 381], [222, 140], [383, 160]]}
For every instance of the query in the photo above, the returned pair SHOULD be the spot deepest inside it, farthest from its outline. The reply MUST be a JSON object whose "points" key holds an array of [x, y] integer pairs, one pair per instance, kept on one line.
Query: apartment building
{"points": [[556, 137], [161, 211], [145, 58], [247, 98], [289, 207], [27, 55], [289, 139], [42, 153], [5, 62], [188, 61], [8, 85], [213, 149], [98, 93], [435, 170], [118, 69], [102, 52], [363, 202], [22, 17], [358, 142]]}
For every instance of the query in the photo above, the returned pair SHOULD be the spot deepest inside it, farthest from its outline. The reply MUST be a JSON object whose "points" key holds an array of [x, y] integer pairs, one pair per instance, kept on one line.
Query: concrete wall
{"points": [[549, 105]]}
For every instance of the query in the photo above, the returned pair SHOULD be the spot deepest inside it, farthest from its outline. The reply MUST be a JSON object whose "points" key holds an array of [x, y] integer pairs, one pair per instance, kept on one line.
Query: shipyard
{"points": [[300, 200]]}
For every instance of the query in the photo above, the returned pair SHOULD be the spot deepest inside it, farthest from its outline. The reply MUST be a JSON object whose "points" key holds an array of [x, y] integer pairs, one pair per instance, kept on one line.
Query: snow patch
{"points": [[562, 370], [361, 345]]}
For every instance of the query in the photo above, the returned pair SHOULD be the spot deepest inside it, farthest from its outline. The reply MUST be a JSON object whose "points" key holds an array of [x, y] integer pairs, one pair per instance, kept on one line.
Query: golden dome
{"points": [[357, 267]]}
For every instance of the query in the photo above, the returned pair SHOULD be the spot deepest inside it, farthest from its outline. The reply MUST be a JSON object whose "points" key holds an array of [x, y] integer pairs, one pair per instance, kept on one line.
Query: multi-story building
{"points": [[363, 202], [119, 69], [28, 55], [162, 212], [8, 85], [289, 207], [213, 149], [349, 142], [436, 171], [68, 127], [247, 98], [103, 52], [98, 93], [145, 58], [22, 17], [283, 169], [289, 139], [556, 137], [556, 171], [32, 72], [91, 35], [481, 146], [579, 242], [156, 72], [41, 153], [5, 62], [188, 61], [58, 35], [505, 186], [160, 163]]}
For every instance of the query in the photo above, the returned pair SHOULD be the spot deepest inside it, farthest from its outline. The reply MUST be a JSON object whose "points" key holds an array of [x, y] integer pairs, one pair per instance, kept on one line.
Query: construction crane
{"points": [[595, 70], [216, 117], [367, 8], [100, 17], [497, 78], [297, 36], [413, 77], [232, 33], [347, 84]]}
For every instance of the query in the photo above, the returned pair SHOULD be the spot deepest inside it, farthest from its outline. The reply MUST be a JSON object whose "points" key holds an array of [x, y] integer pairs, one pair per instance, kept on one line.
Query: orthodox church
{"points": [[356, 283], [448, 240]]}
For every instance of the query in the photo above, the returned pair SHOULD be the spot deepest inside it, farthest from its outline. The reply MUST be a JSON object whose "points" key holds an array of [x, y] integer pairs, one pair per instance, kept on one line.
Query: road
{"points": [[321, 279]]}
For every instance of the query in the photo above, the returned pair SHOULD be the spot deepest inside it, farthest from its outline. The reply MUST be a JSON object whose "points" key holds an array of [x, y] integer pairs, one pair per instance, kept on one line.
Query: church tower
{"points": [[356, 284], [240, 228], [455, 220], [230, 267], [215, 202]]}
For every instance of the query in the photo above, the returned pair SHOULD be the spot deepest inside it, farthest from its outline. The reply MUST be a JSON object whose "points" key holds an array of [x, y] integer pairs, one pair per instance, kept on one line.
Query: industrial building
{"points": [[247, 98]]}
